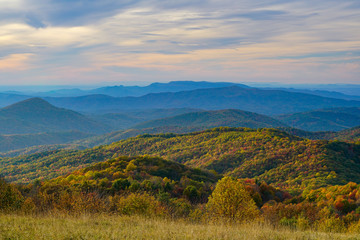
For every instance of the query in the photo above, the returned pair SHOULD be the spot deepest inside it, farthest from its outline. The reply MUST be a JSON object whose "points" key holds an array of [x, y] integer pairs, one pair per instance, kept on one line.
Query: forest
{"points": [[227, 175]]}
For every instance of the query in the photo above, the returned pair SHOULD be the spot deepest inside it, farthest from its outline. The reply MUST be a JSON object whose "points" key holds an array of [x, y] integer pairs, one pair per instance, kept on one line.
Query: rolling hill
{"points": [[335, 119], [36, 115], [211, 119], [269, 102], [266, 154]]}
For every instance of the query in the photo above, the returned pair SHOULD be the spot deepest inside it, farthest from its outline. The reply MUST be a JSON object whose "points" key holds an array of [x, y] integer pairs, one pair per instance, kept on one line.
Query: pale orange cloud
{"points": [[15, 62]]}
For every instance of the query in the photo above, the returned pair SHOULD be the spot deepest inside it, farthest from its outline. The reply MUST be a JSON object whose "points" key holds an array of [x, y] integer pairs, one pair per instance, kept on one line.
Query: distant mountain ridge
{"points": [[135, 91], [268, 102]]}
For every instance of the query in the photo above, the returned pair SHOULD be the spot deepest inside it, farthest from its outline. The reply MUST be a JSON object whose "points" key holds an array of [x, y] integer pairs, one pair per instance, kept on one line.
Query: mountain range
{"points": [[202, 105], [269, 102], [134, 91], [35, 122]]}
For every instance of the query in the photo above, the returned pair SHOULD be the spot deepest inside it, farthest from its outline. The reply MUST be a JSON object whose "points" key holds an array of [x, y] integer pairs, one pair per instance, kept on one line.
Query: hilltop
{"points": [[35, 115]]}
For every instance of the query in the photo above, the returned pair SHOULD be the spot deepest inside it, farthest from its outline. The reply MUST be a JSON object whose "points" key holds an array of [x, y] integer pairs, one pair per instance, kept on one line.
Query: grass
{"points": [[135, 227]]}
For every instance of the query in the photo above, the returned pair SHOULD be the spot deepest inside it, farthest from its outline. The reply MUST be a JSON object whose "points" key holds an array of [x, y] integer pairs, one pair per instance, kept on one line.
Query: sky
{"points": [[107, 42]]}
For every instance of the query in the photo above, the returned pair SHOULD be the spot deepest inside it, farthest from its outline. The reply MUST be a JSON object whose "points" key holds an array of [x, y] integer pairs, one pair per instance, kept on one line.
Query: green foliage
{"points": [[120, 184]]}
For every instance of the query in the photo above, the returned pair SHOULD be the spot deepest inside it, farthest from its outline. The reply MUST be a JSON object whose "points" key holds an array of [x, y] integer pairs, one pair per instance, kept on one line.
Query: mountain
{"points": [[266, 154], [335, 119], [211, 119], [36, 115], [269, 102], [19, 141]]}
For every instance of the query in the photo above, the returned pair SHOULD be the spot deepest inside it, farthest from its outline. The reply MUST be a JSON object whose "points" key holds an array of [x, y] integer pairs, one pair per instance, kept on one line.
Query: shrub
{"points": [[231, 202], [139, 204]]}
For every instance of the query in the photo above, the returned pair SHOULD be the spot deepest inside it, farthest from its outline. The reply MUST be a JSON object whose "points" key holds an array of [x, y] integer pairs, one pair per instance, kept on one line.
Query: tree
{"points": [[230, 201]]}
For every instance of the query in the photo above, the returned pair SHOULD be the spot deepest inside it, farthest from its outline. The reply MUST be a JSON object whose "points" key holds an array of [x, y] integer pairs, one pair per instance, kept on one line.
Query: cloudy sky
{"points": [[56, 42]]}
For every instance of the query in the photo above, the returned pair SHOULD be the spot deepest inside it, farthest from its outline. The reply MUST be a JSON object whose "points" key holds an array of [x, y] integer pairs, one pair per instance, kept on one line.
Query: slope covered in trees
{"points": [[266, 154]]}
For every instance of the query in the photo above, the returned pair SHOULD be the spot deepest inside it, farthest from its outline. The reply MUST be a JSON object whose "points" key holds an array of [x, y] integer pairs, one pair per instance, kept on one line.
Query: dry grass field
{"points": [[136, 227]]}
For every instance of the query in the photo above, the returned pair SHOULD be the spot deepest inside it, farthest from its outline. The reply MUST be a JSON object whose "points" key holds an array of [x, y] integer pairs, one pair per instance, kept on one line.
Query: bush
{"points": [[139, 204], [231, 202], [120, 184], [332, 224], [10, 197]]}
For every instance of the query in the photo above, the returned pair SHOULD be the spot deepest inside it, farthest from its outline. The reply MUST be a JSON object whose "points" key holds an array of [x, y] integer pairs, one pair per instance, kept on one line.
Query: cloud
{"points": [[199, 40], [15, 62]]}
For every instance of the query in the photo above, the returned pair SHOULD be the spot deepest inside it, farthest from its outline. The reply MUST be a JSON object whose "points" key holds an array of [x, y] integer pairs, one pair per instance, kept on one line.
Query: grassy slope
{"points": [[124, 227]]}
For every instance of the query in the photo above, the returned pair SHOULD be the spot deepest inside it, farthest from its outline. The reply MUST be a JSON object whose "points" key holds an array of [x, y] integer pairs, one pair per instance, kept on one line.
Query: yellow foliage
{"points": [[231, 201]]}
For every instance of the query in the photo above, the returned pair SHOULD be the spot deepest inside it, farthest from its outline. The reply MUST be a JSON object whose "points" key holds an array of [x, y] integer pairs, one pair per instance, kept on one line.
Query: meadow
{"points": [[57, 226]]}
